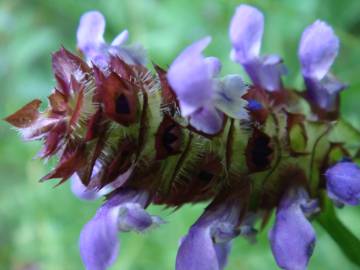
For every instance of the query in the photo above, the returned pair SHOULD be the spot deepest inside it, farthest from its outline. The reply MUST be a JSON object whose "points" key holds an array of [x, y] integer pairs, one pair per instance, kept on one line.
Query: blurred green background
{"points": [[39, 225]]}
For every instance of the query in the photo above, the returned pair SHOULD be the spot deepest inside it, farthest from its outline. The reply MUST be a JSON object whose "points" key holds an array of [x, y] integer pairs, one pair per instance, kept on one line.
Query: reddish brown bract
{"points": [[25, 116]]}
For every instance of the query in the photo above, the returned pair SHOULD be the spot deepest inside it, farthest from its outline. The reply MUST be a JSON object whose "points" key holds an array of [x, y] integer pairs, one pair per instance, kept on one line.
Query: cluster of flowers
{"points": [[206, 102]]}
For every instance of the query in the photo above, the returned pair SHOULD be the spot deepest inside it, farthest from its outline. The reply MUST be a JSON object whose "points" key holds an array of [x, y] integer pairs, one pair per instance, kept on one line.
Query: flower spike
{"points": [[186, 135]]}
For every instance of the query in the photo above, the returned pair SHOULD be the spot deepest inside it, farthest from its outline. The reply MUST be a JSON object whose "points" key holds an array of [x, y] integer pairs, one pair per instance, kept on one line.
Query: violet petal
{"points": [[197, 251], [90, 192], [81, 191], [121, 38], [222, 253], [207, 119], [266, 72], [214, 65], [90, 33], [98, 242], [324, 92], [134, 54], [318, 49], [132, 217], [228, 97], [207, 244], [292, 237], [343, 183], [190, 75], [246, 31], [223, 232]]}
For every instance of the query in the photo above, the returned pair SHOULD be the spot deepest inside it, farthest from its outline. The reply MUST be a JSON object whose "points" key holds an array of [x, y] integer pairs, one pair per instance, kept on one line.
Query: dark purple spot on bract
{"points": [[122, 105], [205, 176], [261, 151], [169, 138]]}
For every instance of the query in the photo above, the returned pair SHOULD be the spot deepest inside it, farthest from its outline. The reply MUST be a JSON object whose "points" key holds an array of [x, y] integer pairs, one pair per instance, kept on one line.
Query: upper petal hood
{"points": [[246, 31], [90, 33], [318, 49], [190, 75]]}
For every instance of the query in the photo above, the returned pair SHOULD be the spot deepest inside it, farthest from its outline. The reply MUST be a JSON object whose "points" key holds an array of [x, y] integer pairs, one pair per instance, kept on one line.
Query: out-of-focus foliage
{"points": [[39, 225]]}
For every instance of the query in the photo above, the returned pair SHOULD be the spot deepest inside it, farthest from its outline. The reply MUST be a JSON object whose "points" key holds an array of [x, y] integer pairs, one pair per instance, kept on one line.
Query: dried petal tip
{"points": [[343, 183], [292, 237]]}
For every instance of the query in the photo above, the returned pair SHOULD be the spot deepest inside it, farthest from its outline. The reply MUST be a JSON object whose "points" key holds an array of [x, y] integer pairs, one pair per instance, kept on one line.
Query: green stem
{"points": [[346, 240]]}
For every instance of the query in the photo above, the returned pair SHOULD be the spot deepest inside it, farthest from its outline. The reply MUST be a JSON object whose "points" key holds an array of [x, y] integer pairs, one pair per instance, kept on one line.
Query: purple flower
{"points": [[191, 77], [98, 242], [318, 49], [202, 97], [208, 242], [292, 237], [90, 41], [343, 183], [246, 31]]}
